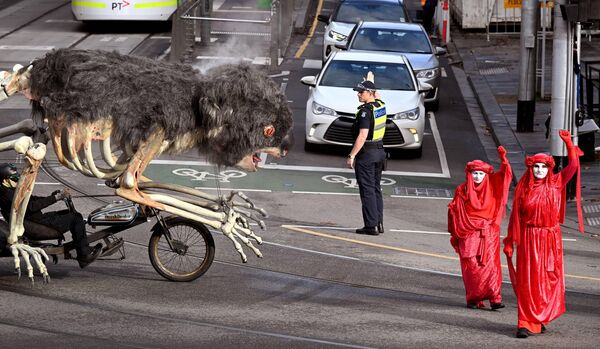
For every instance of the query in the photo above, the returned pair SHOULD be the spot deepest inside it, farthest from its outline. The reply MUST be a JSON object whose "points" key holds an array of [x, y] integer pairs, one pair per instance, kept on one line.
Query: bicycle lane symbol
{"points": [[351, 182], [222, 177]]}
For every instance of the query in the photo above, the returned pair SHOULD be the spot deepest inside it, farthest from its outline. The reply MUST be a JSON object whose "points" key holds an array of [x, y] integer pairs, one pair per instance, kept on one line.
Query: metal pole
{"points": [[560, 69], [274, 47], [205, 26], [526, 102]]}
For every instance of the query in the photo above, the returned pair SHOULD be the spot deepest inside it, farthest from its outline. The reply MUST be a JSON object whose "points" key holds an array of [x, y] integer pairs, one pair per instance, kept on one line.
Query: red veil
{"points": [[485, 200]]}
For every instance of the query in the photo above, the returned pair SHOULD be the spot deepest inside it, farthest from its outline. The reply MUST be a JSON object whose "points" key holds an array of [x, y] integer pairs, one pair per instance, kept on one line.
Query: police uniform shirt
{"points": [[365, 119]]}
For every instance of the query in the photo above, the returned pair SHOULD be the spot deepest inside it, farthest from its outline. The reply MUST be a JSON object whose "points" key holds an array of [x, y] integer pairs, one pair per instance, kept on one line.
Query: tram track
{"points": [[161, 318]]}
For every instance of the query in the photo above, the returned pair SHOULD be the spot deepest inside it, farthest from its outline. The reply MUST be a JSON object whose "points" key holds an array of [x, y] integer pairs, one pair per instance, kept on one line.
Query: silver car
{"points": [[349, 12], [407, 39]]}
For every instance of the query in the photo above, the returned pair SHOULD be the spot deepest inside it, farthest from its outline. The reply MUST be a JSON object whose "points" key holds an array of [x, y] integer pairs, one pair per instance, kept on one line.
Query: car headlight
{"points": [[412, 114], [318, 109], [428, 73], [337, 36]]}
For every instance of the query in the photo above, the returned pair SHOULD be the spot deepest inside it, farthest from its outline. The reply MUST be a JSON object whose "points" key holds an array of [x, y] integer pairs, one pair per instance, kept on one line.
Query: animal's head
{"points": [[243, 114], [11, 83]]}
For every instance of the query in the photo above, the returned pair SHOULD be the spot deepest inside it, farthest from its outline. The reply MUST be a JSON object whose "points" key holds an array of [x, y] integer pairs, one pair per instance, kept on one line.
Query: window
{"points": [[388, 76]]}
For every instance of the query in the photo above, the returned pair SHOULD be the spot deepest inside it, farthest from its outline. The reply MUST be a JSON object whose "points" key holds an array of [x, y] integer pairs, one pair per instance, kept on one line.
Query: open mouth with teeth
{"points": [[251, 161]]}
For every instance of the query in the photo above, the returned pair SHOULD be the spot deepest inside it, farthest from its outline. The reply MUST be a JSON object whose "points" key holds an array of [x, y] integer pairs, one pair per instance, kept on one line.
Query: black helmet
{"points": [[9, 171]]}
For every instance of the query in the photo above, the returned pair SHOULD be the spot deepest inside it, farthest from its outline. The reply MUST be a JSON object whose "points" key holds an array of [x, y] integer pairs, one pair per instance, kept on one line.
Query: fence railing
{"points": [[192, 24]]}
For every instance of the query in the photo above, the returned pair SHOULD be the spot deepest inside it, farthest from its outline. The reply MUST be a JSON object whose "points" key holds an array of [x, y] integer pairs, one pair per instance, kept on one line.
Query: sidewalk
{"points": [[492, 70]]}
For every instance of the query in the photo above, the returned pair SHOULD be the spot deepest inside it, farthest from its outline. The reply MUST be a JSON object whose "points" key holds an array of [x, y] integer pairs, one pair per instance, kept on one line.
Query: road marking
{"points": [[311, 32], [393, 248], [366, 243], [312, 64], [26, 47], [419, 197], [444, 74], [233, 189], [440, 147], [47, 183], [420, 232], [311, 251], [347, 170], [321, 193]]}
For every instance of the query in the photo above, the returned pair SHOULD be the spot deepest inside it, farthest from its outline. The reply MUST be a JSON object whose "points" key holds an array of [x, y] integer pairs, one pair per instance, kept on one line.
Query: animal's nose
{"points": [[286, 144]]}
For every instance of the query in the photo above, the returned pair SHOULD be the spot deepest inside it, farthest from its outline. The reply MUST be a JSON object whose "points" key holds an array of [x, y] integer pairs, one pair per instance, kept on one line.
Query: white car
{"points": [[349, 12], [332, 104]]}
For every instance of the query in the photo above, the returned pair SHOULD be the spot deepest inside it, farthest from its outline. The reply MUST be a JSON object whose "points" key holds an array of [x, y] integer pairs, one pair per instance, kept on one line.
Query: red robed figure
{"points": [[534, 228], [474, 218]]}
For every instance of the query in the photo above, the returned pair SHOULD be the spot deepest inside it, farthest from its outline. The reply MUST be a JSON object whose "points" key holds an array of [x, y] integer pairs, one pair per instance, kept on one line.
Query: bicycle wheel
{"points": [[190, 254]]}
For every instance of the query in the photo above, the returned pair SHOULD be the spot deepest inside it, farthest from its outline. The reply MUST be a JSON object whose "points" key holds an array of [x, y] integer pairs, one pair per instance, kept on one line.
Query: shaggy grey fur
{"points": [[143, 96]]}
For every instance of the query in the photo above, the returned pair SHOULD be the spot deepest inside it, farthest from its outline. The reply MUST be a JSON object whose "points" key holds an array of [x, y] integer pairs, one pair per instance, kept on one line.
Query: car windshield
{"points": [[354, 12], [396, 40], [388, 76]]}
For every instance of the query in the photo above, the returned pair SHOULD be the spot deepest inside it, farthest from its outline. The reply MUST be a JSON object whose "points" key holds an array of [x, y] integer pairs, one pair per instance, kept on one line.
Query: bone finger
{"points": [[248, 243], [16, 259], [236, 245], [25, 255], [250, 233], [37, 257]]}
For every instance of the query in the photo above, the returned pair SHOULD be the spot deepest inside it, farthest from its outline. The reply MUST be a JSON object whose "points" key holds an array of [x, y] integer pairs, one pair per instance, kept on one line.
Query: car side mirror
{"points": [[440, 51], [424, 87], [343, 47], [323, 18], [309, 81]]}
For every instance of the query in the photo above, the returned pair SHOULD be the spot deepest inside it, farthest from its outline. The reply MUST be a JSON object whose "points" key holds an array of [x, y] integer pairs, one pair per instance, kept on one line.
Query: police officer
{"points": [[62, 221], [367, 156]]}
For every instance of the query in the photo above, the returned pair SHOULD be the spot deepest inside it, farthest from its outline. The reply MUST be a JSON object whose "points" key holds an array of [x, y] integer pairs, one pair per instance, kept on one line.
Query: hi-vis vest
{"points": [[379, 119]]}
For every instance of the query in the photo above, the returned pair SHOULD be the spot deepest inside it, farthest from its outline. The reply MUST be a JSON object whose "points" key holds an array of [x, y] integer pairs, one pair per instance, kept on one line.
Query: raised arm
{"points": [[573, 154]]}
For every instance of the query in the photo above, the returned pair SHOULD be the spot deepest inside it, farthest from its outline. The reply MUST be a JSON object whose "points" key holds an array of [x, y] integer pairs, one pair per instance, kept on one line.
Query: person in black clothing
{"points": [[367, 156], [61, 221], [428, 13]]}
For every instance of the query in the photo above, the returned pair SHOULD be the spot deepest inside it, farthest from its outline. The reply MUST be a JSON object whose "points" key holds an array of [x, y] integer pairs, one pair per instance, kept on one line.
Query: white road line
{"points": [[440, 147], [311, 251], [312, 64], [26, 47], [321, 193], [347, 170], [420, 232], [444, 74], [47, 183], [320, 227], [236, 189], [419, 197]]}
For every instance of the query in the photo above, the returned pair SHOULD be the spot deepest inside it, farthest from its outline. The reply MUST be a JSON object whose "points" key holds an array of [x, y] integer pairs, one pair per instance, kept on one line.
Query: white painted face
{"points": [[478, 176], [540, 170]]}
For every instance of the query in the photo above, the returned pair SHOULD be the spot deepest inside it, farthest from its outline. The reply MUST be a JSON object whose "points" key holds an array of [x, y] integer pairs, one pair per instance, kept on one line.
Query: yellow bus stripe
{"points": [[156, 4], [89, 4]]}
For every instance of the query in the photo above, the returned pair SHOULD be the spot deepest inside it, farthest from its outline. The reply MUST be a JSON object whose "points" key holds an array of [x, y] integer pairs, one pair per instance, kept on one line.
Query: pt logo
{"points": [[119, 5]]}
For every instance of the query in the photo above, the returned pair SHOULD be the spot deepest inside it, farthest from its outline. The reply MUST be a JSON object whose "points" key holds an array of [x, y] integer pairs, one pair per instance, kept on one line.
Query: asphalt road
{"points": [[319, 285]]}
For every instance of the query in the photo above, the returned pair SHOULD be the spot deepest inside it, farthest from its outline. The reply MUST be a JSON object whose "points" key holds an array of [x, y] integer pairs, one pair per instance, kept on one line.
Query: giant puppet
{"points": [[135, 109], [474, 218], [534, 228]]}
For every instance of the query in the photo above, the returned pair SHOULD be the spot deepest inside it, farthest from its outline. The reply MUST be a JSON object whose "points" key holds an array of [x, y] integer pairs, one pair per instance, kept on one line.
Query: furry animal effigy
{"points": [[138, 108]]}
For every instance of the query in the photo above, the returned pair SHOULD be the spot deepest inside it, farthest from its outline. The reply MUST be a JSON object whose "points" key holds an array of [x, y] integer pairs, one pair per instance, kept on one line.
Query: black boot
{"points": [[85, 259], [367, 230], [380, 228], [523, 333], [495, 306]]}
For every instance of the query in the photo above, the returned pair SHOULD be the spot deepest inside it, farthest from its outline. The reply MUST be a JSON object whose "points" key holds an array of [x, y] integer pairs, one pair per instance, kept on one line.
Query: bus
{"points": [[123, 10]]}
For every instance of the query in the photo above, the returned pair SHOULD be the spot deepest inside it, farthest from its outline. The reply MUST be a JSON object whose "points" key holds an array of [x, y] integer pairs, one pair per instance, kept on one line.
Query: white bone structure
{"points": [[122, 169]]}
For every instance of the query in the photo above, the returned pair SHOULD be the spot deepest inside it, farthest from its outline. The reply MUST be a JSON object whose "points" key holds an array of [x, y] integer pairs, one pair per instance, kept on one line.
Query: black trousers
{"points": [[64, 221], [368, 166]]}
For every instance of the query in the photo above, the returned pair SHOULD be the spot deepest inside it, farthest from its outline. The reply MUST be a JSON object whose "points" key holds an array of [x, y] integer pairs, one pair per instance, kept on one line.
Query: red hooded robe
{"points": [[474, 218], [538, 210]]}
